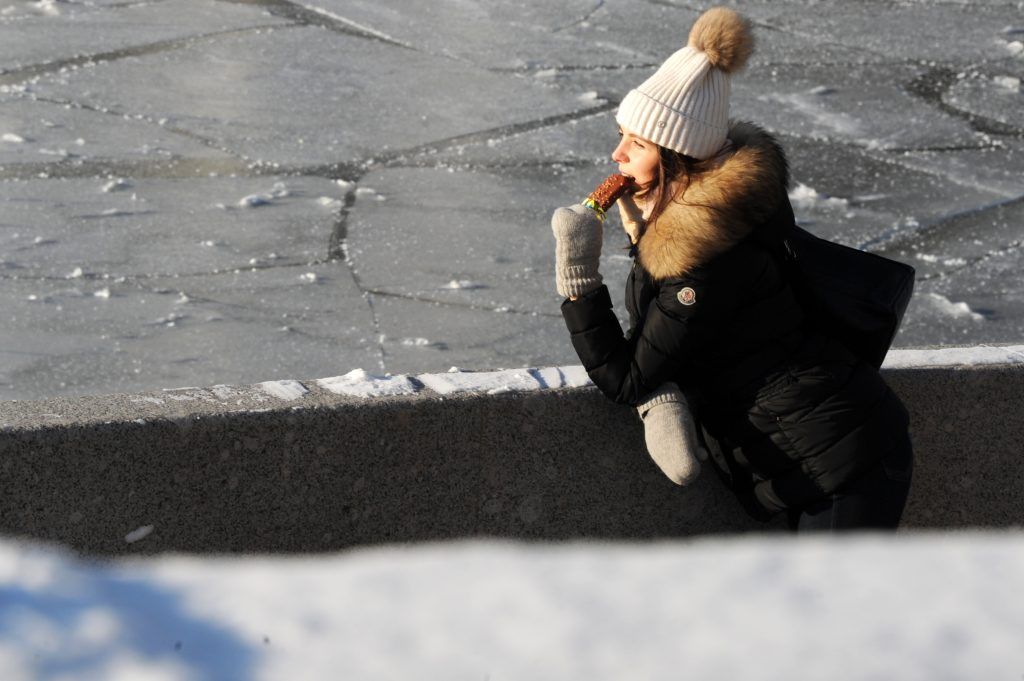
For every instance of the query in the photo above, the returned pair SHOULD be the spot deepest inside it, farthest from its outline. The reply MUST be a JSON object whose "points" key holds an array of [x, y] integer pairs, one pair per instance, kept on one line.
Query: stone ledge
{"points": [[238, 469]]}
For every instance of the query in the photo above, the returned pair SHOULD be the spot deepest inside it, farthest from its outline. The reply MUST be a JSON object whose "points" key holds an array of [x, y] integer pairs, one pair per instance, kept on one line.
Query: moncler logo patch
{"points": [[687, 296]]}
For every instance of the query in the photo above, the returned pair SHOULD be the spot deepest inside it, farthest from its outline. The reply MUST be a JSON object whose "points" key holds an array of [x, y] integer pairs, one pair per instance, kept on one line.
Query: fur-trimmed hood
{"points": [[720, 207]]}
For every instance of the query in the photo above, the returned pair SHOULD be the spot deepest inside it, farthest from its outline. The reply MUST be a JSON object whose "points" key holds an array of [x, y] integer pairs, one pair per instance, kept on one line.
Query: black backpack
{"points": [[854, 296]]}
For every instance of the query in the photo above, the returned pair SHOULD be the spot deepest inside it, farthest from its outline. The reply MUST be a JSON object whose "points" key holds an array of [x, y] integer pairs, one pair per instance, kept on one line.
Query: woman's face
{"points": [[638, 158]]}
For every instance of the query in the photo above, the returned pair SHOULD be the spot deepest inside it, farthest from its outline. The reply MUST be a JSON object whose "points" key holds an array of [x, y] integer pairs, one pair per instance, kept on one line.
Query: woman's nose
{"points": [[617, 154]]}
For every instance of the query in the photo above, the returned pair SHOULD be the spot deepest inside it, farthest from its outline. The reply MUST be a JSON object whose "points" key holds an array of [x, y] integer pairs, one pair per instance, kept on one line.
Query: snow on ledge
{"points": [[489, 382], [976, 355], [283, 390], [508, 380], [359, 383]]}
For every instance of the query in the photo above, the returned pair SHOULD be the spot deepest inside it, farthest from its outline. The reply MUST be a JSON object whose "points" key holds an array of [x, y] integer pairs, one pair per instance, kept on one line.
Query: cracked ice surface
{"points": [[31, 36], [238, 192], [259, 94]]}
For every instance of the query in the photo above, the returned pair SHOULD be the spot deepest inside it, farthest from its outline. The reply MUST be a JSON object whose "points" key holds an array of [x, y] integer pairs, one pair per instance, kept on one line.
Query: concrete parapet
{"points": [[272, 468]]}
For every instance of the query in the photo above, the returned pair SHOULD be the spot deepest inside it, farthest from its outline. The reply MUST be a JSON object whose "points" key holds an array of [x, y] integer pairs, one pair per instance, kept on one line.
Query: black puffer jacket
{"points": [[791, 413]]}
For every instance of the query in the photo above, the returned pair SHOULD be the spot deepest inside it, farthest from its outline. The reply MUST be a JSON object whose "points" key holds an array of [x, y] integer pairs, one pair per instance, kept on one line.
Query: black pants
{"points": [[874, 501]]}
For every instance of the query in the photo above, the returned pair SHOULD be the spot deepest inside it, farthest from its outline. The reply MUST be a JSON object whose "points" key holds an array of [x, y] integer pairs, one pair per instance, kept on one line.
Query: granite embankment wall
{"points": [[527, 455]]}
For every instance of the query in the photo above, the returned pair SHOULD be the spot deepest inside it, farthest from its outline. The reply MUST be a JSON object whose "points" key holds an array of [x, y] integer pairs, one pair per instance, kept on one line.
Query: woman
{"points": [[795, 422]]}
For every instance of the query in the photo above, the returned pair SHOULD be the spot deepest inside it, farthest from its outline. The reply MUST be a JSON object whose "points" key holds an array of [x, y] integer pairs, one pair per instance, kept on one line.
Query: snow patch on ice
{"points": [[48, 7], [806, 198], [254, 200], [116, 185], [359, 383], [1014, 47], [462, 284], [1009, 83], [948, 262], [169, 320], [278, 191], [12, 138], [947, 307], [369, 193], [287, 389]]}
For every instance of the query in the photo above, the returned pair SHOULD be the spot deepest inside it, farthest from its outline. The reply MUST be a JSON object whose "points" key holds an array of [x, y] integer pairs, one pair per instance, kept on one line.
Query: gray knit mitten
{"points": [[671, 434], [578, 239]]}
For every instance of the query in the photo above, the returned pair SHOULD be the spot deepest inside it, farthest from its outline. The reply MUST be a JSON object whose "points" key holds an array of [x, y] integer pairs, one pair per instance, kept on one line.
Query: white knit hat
{"points": [[685, 105]]}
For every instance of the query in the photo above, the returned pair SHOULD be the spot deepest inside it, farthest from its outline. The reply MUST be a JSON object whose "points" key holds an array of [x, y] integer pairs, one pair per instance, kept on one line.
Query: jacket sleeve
{"points": [[680, 322]]}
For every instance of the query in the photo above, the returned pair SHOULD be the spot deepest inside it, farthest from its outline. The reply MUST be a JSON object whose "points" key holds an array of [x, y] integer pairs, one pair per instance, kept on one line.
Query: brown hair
{"points": [[673, 167]]}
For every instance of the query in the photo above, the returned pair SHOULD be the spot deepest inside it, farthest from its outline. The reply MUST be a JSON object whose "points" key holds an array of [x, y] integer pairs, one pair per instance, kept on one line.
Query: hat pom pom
{"points": [[725, 37]]}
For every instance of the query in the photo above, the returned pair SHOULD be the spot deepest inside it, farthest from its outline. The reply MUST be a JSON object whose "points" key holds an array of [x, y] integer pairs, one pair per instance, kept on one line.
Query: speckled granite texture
{"points": [[229, 469]]}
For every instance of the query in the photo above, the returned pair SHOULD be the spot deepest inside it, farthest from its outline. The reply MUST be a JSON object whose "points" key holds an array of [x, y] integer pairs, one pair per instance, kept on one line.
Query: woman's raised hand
{"points": [[578, 240], [632, 217]]}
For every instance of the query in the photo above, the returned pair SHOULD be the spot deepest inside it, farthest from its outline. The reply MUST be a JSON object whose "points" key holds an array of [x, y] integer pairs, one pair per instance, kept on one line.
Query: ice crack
{"points": [[308, 15], [936, 82], [25, 73], [585, 18], [399, 157], [463, 305]]}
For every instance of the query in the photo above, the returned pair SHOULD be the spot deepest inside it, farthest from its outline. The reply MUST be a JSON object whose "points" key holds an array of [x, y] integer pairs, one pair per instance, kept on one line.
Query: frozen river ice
{"points": [[237, 191]]}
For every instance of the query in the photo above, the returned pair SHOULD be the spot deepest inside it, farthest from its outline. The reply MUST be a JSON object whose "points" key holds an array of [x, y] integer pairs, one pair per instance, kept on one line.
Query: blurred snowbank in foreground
{"points": [[909, 606]]}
